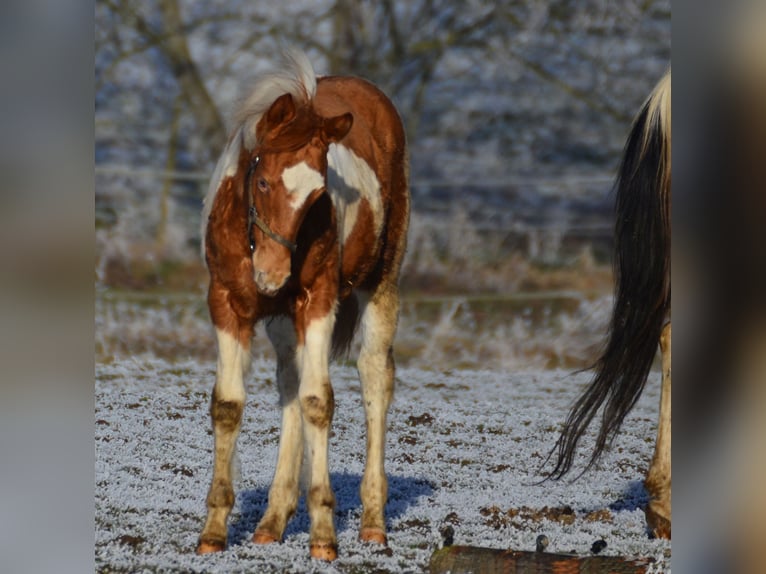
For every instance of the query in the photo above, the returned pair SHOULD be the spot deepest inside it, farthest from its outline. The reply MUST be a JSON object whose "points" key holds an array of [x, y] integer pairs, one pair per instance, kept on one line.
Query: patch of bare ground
{"points": [[522, 517]]}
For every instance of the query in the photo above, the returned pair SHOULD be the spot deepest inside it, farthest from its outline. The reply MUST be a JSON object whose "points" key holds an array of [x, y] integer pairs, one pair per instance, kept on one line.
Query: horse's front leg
{"points": [[283, 495], [226, 406], [315, 323], [658, 479]]}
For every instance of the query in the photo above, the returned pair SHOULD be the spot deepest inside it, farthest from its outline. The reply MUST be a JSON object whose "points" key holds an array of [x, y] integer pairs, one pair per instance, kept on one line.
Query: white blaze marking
{"points": [[350, 179], [300, 180]]}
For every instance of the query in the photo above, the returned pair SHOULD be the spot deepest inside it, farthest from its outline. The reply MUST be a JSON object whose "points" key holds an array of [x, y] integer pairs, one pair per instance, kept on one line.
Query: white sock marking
{"points": [[315, 354], [233, 363]]}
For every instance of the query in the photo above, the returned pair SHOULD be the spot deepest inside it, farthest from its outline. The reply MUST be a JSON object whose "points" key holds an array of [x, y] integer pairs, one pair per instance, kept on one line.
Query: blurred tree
{"points": [[398, 45], [193, 88], [169, 37]]}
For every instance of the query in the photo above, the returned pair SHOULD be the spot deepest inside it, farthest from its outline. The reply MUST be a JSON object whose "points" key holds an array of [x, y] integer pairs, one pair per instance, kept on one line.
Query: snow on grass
{"points": [[463, 449]]}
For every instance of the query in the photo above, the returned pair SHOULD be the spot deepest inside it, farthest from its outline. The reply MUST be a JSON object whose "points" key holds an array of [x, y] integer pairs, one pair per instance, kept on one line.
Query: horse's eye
{"points": [[263, 185]]}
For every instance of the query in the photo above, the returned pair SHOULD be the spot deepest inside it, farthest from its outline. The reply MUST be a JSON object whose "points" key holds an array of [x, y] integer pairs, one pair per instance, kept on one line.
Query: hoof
{"points": [[324, 551], [375, 535], [206, 546], [264, 537], [658, 525]]}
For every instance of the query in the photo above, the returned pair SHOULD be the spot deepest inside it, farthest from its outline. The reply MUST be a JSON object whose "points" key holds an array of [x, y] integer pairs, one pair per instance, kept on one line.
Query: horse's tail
{"points": [[642, 281], [346, 322]]}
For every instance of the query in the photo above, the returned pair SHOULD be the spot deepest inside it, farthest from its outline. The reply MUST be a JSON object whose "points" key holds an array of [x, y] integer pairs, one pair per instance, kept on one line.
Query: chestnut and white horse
{"points": [[641, 313], [304, 227]]}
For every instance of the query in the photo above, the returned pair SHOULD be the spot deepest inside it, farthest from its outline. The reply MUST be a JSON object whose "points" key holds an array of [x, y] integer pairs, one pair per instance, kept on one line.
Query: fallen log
{"points": [[477, 560]]}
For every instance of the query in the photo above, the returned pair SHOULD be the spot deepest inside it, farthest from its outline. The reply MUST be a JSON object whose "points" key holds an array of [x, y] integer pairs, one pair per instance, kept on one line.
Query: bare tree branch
{"points": [[195, 93], [573, 91]]}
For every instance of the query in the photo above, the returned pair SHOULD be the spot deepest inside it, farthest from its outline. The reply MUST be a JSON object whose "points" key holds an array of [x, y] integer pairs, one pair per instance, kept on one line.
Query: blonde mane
{"points": [[296, 77]]}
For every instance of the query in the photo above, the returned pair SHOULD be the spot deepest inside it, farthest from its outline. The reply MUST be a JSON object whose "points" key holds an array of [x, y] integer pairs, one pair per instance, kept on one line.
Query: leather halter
{"points": [[254, 219]]}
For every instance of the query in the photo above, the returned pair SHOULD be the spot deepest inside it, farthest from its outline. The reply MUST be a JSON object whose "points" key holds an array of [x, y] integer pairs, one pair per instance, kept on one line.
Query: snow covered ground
{"points": [[464, 449]]}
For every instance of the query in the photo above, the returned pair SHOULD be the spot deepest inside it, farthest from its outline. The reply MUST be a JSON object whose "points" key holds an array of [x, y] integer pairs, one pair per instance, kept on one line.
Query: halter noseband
{"points": [[253, 219]]}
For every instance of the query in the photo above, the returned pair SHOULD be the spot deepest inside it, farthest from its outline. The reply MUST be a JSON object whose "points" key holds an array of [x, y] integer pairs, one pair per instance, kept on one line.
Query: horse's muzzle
{"points": [[270, 283]]}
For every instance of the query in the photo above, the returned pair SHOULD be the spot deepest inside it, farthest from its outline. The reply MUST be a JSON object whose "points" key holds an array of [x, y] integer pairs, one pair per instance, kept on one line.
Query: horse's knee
{"points": [[318, 409], [225, 414], [377, 375], [375, 360], [221, 495], [665, 337]]}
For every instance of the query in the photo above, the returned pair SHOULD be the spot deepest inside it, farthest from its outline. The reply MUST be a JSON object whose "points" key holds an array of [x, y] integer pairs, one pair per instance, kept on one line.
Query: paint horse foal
{"points": [[641, 313], [305, 227]]}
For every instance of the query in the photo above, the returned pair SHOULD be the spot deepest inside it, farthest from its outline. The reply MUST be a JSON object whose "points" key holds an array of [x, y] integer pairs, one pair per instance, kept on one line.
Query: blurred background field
{"points": [[549, 330], [516, 113]]}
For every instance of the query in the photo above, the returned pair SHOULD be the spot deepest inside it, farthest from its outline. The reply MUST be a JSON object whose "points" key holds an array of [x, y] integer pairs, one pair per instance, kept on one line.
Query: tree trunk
{"points": [[170, 167], [212, 128], [345, 53]]}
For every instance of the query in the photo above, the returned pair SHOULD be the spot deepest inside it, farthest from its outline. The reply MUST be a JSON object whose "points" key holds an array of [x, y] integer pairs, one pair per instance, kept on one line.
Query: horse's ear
{"points": [[335, 129], [281, 111]]}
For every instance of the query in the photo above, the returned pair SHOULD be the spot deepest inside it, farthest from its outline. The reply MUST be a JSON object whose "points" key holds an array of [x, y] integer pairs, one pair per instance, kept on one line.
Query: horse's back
{"points": [[368, 179], [375, 117]]}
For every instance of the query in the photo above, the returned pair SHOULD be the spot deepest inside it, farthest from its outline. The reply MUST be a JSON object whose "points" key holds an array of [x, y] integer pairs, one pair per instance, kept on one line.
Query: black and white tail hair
{"points": [[642, 282]]}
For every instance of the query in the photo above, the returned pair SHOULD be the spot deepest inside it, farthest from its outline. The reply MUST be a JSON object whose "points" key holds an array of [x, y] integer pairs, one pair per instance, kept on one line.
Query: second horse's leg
{"points": [[658, 479]]}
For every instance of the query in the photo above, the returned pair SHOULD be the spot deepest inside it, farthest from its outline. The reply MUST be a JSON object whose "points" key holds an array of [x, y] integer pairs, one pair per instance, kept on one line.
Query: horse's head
{"points": [[288, 173]]}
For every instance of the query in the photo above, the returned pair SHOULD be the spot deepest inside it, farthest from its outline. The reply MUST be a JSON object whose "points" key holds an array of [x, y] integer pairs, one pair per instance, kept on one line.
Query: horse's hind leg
{"points": [[658, 479], [283, 495], [376, 371], [226, 412]]}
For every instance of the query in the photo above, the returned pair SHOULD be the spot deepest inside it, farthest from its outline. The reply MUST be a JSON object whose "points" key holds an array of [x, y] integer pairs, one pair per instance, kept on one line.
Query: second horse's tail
{"points": [[642, 281]]}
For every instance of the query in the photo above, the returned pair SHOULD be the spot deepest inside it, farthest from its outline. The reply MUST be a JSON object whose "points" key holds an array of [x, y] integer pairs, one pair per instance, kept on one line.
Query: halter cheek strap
{"points": [[253, 219]]}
